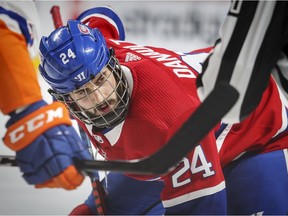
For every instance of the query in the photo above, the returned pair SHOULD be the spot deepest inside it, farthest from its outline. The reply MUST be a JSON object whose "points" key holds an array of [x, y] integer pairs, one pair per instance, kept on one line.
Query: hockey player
{"points": [[253, 37], [252, 152], [40, 133], [131, 99], [41, 160]]}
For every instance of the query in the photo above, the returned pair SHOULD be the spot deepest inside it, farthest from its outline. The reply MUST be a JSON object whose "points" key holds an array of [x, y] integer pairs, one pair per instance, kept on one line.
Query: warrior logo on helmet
{"points": [[80, 77]]}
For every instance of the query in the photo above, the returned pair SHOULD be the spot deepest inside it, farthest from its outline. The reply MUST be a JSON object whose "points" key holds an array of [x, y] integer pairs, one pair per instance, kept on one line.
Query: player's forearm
{"points": [[19, 84]]}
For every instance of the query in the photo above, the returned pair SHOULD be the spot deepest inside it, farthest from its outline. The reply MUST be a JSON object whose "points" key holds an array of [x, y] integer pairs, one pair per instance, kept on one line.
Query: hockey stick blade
{"points": [[201, 122], [8, 161]]}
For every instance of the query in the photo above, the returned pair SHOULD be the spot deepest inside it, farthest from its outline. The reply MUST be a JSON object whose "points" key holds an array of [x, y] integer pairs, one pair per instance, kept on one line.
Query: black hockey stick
{"points": [[8, 161], [201, 122]]}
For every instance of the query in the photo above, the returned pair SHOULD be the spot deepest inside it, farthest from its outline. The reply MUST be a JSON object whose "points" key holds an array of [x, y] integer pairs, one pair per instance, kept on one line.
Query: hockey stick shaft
{"points": [[6, 160], [96, 184], [200, 123], [98, 190], [56, 16]]}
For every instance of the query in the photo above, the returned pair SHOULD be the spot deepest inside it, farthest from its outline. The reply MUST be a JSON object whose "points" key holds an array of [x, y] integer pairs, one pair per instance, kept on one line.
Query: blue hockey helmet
{"points": [[72, 57], [71, 54]]}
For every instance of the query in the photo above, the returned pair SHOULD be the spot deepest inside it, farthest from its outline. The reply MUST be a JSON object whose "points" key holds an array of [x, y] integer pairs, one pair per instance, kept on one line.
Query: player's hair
{"points": [[72, 56]]}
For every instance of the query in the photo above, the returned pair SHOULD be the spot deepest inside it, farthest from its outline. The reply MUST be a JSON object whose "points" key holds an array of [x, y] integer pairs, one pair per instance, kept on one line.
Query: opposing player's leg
{"points": [[258, 184]]}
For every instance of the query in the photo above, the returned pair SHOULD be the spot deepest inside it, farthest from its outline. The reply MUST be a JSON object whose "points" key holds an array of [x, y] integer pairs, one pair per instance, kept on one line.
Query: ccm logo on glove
{"points": [[24, 131]]}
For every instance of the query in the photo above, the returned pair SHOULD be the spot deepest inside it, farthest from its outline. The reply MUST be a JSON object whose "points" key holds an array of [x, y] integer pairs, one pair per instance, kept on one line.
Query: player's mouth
{"points": [[105, 107]]}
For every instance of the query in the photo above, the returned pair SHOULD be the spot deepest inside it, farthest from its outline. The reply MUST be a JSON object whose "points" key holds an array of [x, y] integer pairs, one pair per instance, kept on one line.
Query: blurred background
{"points": [[176, 25]]}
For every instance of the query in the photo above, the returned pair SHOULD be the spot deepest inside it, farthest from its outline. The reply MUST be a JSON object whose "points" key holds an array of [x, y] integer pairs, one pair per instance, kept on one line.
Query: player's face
{"points": [[98, 96]]}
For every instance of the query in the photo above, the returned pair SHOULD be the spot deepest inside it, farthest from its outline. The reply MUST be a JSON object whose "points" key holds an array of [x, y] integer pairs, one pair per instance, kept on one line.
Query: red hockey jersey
{"points": [[163, 95], [264, 130]]}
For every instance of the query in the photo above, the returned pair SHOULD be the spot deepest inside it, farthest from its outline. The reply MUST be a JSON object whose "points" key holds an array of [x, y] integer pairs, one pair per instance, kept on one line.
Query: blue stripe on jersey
{"points": [[109, 13], [220, 130], [21, 22]]}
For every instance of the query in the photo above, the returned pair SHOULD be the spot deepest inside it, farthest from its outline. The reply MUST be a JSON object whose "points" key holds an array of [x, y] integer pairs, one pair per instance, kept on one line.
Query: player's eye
{"points": [[100, 80], [80, 92]]}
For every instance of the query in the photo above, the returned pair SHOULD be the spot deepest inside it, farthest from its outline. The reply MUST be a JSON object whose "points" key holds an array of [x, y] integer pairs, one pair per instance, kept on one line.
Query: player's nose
{"points": [[97, 96]]}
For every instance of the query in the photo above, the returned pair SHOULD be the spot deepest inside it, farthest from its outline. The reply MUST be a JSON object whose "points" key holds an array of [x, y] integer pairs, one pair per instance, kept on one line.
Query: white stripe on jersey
{"points": [[221, 138], [11, 23], [286, 157], [28, 11], [284, 112], [194, 195]]}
